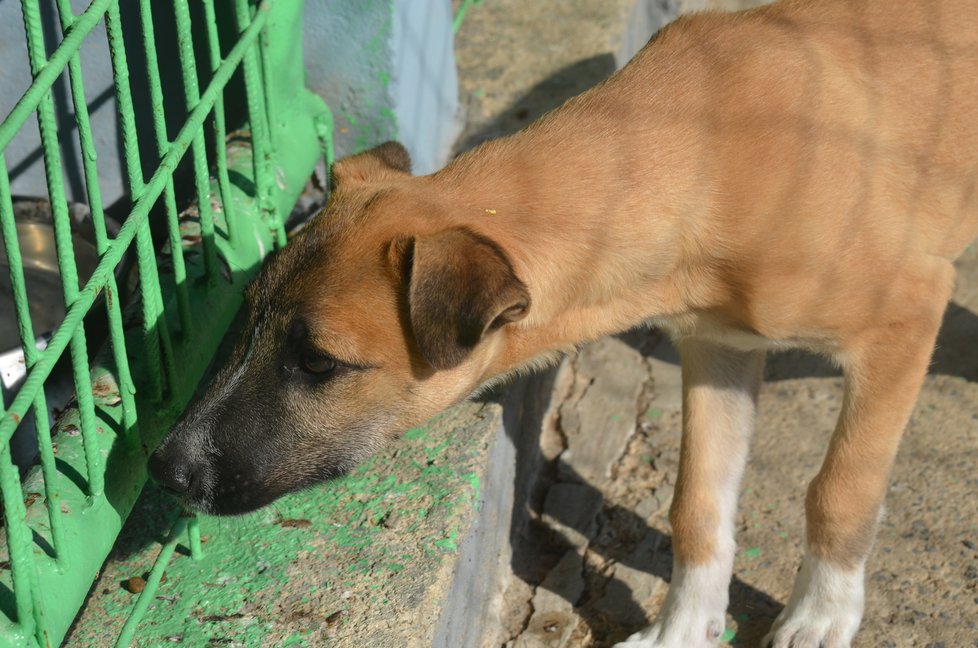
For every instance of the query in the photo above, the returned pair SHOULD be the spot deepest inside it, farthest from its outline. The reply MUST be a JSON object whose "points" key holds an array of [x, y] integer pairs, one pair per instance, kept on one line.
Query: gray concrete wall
{"points": [[387, 69], [424, 85], [647, 17]]}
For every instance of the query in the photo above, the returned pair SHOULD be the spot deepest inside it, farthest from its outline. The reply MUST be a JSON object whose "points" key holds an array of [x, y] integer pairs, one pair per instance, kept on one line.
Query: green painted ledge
{"points": [[367, 560]]}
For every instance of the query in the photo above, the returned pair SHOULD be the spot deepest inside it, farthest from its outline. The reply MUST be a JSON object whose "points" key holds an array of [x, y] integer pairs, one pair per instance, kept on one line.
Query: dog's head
{"points": [[378, 315]]}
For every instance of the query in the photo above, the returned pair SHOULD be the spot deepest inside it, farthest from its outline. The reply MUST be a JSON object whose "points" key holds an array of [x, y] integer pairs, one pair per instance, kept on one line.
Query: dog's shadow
{"points": [[543, 97], [537, 547]]}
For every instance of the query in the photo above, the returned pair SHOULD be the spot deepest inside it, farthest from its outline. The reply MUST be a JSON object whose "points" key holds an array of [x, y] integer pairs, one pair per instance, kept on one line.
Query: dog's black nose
{"points": [[175, 473]]}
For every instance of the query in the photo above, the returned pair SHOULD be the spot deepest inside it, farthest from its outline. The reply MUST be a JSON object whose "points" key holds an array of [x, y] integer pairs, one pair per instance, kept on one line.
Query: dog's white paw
{"points": [[693, 614], [678, 632], [824, 611]]}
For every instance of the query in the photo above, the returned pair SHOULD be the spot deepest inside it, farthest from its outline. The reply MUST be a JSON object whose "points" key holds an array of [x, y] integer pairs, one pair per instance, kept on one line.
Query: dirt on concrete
{"points": [[593, 561]]}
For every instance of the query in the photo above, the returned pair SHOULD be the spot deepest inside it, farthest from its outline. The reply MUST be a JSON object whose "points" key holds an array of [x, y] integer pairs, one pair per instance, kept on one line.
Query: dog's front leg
{"points": [[884, 373], [720, 387]]}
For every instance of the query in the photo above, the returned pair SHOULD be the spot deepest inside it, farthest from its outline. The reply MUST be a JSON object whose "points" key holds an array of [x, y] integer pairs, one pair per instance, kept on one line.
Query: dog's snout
{"points": [[175, 472]]}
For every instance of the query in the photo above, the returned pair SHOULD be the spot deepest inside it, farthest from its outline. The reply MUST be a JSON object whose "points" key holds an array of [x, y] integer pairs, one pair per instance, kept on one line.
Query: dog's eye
{"points": [[316, 363]]}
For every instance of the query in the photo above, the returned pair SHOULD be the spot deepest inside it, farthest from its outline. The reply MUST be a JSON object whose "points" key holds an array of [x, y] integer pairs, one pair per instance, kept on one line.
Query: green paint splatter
{"points": [[753, 552], [728, 635], [784, 535], [475, 485], [653, 413], [616, 417], [450, 543], [415, 433]]}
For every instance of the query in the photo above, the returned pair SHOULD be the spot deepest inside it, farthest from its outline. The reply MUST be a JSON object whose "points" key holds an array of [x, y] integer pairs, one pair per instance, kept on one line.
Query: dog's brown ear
{"points": [[460, 286], [389, 158]]}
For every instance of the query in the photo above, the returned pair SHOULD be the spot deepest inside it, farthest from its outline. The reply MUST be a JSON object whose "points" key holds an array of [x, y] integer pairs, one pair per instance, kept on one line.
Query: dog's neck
{"points": [[563, 207]]}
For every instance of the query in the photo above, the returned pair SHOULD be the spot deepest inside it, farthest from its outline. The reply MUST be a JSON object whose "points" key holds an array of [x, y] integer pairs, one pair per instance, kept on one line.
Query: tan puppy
{"points": [[802, 174]]}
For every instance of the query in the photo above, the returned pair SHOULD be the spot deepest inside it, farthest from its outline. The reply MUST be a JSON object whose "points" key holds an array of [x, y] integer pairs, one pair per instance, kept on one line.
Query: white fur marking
{"points": [[824, 610], [694, 612]]}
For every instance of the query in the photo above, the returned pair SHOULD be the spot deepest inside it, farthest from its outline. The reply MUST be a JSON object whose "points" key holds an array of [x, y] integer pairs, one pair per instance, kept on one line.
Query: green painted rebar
{"points": [[23, 571], [45, 78], [65, 249], [136, 220], [162, 146], [19, 543], [220, 129], [155, 328], [152, 584], [193, 533], [94, 193], [26, 330], [462, 10], [265, 47], [18, 539], [260, 142], [191, 90]]}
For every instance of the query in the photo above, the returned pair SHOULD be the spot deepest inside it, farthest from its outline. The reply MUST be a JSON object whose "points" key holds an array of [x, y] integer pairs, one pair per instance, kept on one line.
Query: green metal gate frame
{"points": [[92, 471]]}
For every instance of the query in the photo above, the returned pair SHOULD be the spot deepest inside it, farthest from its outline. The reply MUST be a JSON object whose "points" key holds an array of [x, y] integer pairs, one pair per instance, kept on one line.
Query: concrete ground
{"points": [[592, 562]]}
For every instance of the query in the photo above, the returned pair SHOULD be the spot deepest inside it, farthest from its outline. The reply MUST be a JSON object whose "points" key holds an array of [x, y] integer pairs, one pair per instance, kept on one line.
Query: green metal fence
{"points": [[61, 519]]}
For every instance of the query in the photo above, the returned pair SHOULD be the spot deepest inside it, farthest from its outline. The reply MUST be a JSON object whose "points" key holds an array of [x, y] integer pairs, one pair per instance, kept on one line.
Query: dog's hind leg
{"points": [[720, 387], [884, 368]]}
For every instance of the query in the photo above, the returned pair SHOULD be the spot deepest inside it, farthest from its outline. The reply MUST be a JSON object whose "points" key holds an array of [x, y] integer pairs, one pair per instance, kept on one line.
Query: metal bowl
{"points": [[43, 279]]}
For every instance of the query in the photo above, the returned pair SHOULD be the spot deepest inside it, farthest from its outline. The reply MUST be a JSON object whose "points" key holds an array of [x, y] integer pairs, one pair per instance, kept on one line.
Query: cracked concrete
{"points": [[594, 426]]}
